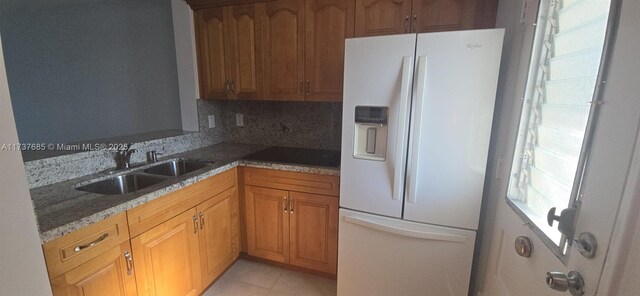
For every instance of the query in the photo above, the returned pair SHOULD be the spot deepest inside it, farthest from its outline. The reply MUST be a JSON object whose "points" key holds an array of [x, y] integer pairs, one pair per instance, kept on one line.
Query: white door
{"points": [[379, 73], [381, 256], [552, 165], [453, 98]]}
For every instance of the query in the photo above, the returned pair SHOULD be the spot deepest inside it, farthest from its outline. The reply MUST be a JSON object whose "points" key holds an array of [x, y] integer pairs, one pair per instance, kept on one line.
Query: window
{"points": [[563, 72]]}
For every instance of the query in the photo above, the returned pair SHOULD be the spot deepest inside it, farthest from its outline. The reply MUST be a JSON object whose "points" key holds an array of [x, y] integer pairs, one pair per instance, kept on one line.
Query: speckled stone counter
{"points": [[61, 209]]}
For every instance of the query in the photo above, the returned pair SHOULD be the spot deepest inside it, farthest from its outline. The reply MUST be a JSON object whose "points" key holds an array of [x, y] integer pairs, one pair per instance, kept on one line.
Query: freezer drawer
{"points": [[386, 256]]}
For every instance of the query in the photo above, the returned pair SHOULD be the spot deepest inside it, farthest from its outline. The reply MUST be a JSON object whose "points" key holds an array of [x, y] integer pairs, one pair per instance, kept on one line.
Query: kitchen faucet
{"points": [[123, 157]]}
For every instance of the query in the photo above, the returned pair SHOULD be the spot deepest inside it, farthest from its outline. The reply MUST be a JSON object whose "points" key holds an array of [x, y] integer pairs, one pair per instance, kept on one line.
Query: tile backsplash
{"points": [[314, 125]]}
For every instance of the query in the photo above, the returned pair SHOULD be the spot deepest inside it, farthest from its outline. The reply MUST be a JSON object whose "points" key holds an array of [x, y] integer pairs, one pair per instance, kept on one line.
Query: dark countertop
{"points": [[287, 155]]}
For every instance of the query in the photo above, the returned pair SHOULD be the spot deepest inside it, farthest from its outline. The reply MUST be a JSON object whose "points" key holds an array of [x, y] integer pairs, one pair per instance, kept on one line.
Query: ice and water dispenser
{"points": [[371, 132]]}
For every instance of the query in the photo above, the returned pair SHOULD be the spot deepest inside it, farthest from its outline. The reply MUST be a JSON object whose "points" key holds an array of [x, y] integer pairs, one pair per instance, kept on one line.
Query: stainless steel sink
{"points": [[122, 184], [176, 168]]}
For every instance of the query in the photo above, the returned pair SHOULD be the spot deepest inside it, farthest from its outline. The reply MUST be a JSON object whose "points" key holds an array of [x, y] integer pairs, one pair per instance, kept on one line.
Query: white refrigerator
{"points": [[417, 116]]}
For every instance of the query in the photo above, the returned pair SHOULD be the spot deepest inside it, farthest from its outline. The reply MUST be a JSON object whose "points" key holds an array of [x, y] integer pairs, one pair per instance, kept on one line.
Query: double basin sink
{"points": [[144, 178]]}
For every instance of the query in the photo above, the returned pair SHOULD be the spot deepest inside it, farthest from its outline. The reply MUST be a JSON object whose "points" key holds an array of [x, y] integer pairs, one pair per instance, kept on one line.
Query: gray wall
{"points": [[89, 69]]}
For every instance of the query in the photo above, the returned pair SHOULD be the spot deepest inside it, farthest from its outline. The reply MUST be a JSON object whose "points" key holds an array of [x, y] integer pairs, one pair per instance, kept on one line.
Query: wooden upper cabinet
{"points": [[328, 24], [213, 53], [228, 46], [382, 17], [283, 49], [245, 59], [110, 273], [443, 15]]}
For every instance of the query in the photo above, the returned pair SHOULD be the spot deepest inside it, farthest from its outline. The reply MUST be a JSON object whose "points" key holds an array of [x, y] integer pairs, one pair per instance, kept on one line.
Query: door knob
{"points": [[563, 282], [565, 220]]}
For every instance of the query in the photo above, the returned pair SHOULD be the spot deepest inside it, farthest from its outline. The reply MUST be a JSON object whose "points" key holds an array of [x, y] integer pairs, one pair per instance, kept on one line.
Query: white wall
{"points": [[621, 274], [622, 269], [513, 74], [21, 259], [184, 36]]}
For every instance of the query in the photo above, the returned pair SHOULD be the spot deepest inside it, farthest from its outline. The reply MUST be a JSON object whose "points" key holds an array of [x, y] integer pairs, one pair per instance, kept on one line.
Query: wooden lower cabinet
{"points": [[313, 231], [167, 258], [109, 274], [219, 235], [292, 227], [267, 219]]}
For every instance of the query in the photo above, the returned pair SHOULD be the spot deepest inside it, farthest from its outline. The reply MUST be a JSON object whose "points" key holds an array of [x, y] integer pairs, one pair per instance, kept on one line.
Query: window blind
{"points": [[562, 79]]}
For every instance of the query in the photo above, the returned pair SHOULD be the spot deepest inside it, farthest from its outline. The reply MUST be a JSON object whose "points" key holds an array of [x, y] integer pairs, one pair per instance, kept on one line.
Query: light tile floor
{"points": [[249, 278]]}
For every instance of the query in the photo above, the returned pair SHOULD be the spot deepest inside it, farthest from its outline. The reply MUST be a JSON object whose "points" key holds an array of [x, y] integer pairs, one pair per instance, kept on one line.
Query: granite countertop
{"points": [[61, 209]]}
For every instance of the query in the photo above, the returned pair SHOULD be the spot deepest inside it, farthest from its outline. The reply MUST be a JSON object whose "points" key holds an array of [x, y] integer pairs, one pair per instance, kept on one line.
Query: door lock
{"points": [[565, 221], [563, 282]]}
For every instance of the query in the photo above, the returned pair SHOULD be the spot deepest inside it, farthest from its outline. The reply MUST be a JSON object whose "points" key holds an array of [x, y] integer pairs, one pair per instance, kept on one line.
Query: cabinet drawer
{"points": [[151, 214], [294, 181], [78, 247]]}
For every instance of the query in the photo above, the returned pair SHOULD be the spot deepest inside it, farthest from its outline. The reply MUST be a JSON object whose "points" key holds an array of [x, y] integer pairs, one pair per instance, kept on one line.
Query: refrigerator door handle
{"points": [[405, 232], [403, 119], [414, 153]]}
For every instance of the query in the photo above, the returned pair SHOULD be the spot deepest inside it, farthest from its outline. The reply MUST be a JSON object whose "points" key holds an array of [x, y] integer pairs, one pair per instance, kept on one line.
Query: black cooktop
{"points": [[315, 157]]}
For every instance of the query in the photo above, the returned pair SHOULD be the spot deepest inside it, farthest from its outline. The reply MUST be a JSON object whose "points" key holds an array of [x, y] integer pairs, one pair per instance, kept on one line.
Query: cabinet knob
{"points": [[285, 204], [291, 205], [129, 259], [195, 224], [406, 24], [414, 26]]}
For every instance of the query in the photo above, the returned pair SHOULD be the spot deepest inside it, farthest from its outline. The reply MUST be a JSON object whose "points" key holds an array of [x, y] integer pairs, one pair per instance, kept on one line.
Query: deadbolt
{"points": [[586, 244], [523, 246], [563, 282]]}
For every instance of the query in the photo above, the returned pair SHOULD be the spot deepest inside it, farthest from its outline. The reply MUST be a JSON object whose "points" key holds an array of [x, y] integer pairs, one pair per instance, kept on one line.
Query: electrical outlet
{"points": [[212, 121], [239, 120]]}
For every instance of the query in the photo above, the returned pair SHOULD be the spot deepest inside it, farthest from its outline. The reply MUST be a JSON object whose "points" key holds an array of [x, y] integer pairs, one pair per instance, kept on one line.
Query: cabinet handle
{"points": [[91, 244], [300, 87], [414, 27], [195, 224], [127, 256], [201, 220], [227, 86], [307, 88], [233, 87], [285, 204], [406, 24], [292, 202]]}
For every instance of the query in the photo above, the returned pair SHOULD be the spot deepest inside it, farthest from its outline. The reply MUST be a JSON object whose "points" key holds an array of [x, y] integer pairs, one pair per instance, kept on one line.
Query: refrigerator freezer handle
{"points": [[403, 121], [414, 153], [406, 232]]}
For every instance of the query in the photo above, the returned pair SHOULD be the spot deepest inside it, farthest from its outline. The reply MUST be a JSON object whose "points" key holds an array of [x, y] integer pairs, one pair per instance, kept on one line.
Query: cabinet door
{"points": [[283, 49], [443, 15], [218, 234], [328, 24], [213, 52], [267, 219], [167, 258], [314, 231], [109, 274], [245, 65], [382, 17]]}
